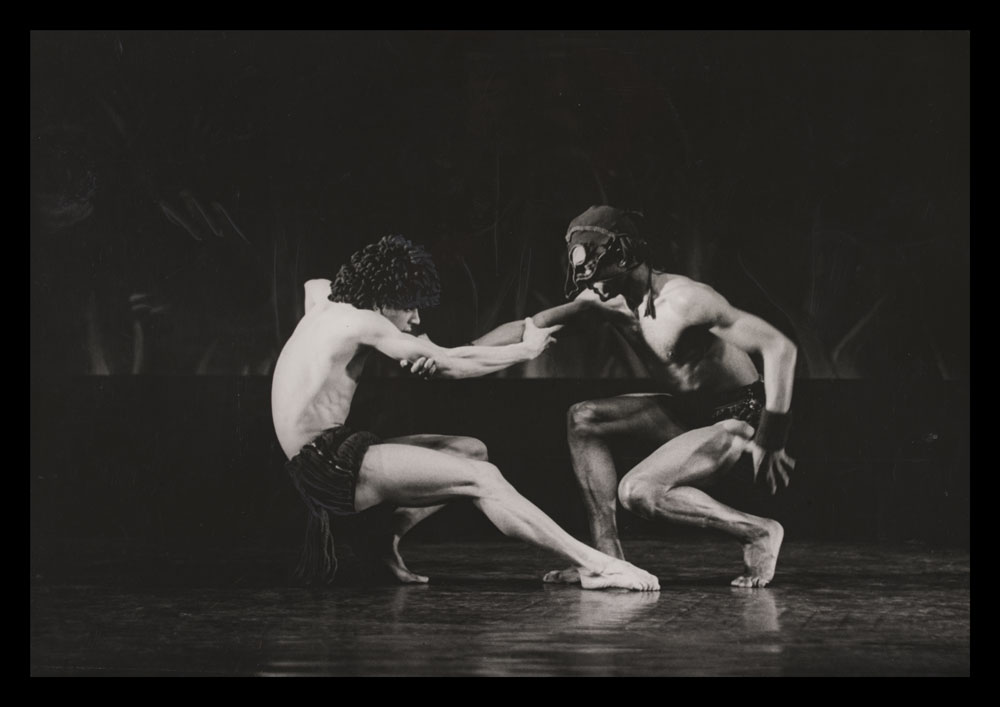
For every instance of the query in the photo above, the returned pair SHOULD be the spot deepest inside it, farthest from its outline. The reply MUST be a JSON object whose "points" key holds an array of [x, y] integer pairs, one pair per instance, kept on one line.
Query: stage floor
{"points": [[833, 609]]}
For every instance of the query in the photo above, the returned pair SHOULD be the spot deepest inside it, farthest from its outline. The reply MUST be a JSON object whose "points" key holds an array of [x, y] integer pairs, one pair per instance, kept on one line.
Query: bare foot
{"points": [[619, 574], [567, 576], [399, 569], [760, 557]]}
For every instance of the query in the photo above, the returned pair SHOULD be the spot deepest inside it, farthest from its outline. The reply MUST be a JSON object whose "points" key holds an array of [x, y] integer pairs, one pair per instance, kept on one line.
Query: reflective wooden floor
{"points": [[834, 609]]}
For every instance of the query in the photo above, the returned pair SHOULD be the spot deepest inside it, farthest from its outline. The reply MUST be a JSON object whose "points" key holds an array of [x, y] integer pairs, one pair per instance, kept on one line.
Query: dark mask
{"points": [[603, 244]]}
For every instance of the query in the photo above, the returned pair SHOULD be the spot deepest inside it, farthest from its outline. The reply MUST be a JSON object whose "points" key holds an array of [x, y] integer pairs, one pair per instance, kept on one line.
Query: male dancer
{"points": [[351, 481], [698, 348]]}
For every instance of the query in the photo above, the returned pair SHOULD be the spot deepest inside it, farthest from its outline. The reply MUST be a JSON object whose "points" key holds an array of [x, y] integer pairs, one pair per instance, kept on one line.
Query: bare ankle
{"points": [[760, 529], [610, 546]]}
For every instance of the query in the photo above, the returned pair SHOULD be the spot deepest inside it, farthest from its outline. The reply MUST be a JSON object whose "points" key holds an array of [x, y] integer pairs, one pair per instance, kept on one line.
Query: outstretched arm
{"points": [[511, 332], [461, 362]]}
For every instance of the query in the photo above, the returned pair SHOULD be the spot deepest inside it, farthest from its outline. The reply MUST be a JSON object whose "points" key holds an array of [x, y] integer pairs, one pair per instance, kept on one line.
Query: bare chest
{"points": [[676, 353], [673, 341]]}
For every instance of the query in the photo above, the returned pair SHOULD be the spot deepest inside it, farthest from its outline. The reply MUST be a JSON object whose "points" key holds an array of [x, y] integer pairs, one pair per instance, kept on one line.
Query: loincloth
{"points": [[325, 473]]}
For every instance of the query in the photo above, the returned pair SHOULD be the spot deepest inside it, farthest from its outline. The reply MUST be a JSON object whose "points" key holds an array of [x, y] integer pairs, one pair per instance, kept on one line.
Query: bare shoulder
{"points": [[316, 292], [319, 283], [690, 299], [682, 291], [348, 322], [337, 319]]}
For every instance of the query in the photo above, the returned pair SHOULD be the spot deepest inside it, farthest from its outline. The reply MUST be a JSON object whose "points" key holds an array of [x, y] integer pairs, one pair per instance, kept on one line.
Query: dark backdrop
{"points": [[184, 185]]}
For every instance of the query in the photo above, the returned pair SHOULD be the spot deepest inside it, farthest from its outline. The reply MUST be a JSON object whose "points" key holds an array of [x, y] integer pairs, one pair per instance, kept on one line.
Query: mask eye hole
{"points": [[578, 256]]}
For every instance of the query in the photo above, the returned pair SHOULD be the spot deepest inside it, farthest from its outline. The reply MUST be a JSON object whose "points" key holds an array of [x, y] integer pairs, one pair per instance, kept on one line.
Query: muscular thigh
{"points": [[697, 457], [469, 447], [428, 441], [411, 475], [642, 417]]}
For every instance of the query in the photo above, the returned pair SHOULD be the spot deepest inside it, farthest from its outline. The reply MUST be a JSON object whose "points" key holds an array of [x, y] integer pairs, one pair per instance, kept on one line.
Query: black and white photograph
{"points": [[584, 353]]}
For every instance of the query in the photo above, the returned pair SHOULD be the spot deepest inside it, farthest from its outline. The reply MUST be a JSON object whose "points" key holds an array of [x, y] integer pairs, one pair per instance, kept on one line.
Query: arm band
{"points": [[772, 431]]}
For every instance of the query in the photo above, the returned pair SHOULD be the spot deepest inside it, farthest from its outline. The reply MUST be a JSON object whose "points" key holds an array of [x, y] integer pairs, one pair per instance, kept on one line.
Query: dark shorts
{"points": [[694, 410], [325, 473]]}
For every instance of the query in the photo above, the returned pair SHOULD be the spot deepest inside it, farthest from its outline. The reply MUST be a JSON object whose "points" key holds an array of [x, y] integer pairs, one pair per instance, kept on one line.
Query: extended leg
{"points": [[404, 519], [412, 476], [665, 486], [590, 426]]}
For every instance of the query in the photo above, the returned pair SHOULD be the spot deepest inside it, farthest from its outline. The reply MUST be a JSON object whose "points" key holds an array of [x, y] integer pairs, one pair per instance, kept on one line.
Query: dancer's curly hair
{"points": [[390, 273]]}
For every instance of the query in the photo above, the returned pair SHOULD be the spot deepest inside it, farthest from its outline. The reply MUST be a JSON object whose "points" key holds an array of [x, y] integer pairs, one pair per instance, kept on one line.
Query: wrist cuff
{"points": [[772, 430]]}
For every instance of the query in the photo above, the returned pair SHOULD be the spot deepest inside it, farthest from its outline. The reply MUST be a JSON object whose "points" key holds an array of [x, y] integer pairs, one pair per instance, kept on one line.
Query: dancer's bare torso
{"points": [[682, 356], [317, 373]]}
